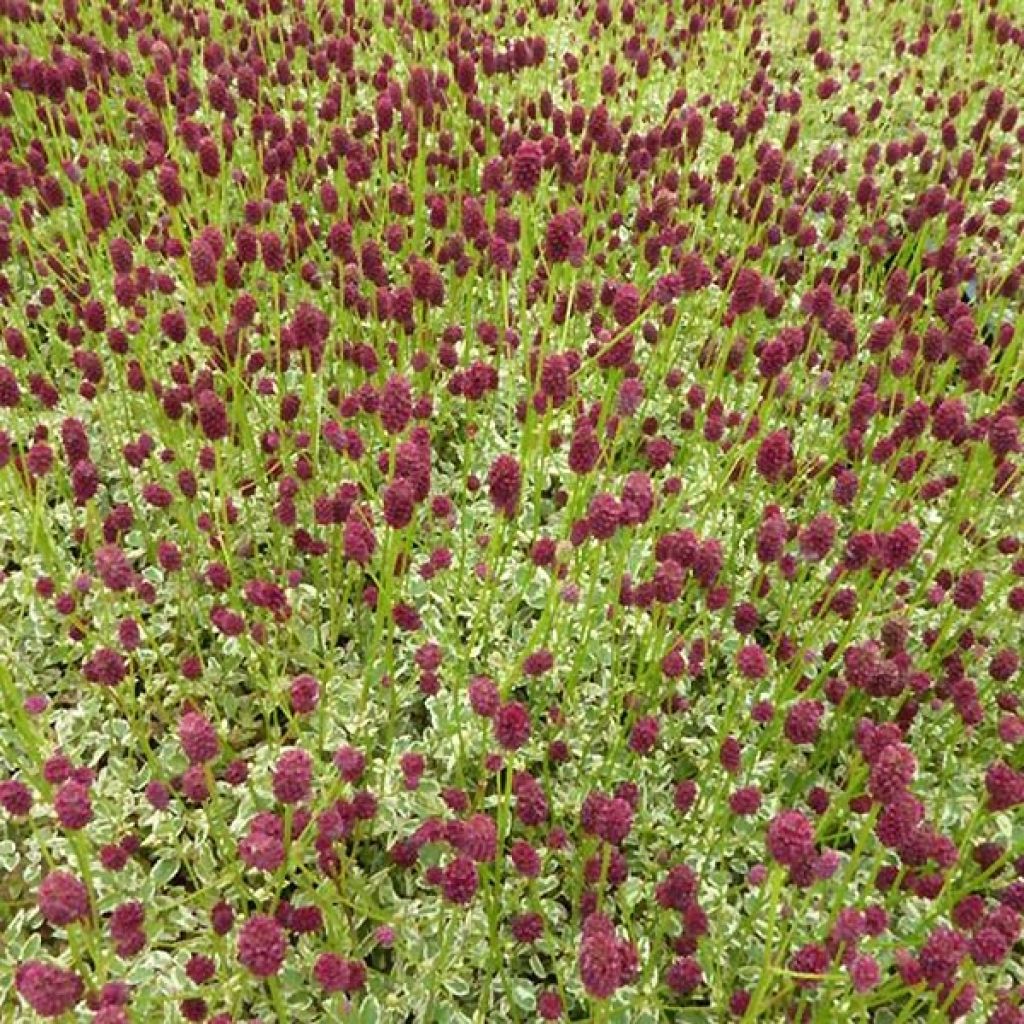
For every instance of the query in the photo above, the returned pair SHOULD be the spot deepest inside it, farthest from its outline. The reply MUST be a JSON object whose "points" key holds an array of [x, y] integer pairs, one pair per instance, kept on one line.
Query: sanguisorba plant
{"points": [[511, 510]]}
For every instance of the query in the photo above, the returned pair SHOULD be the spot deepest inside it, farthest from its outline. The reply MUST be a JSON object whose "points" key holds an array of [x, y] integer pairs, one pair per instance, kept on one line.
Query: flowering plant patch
{"points": [[511, 511]]}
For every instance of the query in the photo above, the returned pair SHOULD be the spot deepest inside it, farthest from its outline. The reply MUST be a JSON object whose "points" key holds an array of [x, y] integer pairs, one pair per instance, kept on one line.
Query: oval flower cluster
{"points": [[511, 510]]}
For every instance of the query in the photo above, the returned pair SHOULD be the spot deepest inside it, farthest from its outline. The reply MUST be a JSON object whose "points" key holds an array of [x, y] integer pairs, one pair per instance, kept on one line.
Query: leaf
{"points": [[628, 1015], [521, 993], [8, 855], [369, 1011], [163, 871], [457, 986]]}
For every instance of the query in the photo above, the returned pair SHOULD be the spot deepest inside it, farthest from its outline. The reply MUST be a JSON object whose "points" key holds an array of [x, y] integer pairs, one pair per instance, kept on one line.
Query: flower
{"points": [[504, 480], [774, 456], [261, 946], [752, 662], [512, 725], [395, 404], [684, 975], [62, 898], [600, 967], [198, 738], [293, 776], [526, 166], [484, 696], [812, 961], [304, 694], [790, 838], [335, 973], [606, 962], [15, 797], [72, 805], [459, 881], [50, 990]]}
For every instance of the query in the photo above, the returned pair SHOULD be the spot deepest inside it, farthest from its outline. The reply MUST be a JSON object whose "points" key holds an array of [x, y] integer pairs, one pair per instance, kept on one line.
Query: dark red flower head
{"points": [[262, 946]]}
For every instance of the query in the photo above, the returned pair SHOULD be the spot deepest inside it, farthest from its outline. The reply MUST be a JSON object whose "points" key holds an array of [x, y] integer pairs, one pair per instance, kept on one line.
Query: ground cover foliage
{"points": [[511, 511]]}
